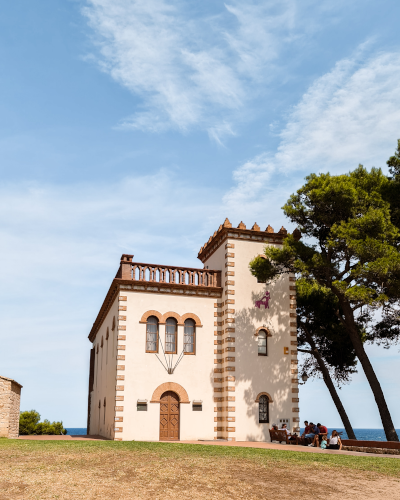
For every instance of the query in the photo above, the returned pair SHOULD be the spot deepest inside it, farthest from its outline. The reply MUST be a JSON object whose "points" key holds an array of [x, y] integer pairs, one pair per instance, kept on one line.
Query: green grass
{"points": [[168, 451]]}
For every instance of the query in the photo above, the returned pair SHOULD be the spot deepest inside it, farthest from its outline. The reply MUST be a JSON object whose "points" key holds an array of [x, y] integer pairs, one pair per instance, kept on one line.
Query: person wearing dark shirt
{"points": [[313, 430], [306, 428], [322, 430]]}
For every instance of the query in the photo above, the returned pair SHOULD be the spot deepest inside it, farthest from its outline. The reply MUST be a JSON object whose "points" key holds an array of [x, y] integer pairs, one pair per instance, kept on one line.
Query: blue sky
{"points": [[138, 126]]}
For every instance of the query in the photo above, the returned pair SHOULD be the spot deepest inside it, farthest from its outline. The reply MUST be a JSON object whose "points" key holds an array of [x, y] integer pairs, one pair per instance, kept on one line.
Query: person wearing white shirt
{"points": [[335, 443], [284, 428]]}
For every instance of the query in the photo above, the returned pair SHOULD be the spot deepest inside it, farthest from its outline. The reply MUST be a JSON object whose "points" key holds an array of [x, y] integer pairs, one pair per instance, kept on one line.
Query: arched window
{"points": [[263, 410], [170, 335], [189, 337], [262, 343], [152, 334]]}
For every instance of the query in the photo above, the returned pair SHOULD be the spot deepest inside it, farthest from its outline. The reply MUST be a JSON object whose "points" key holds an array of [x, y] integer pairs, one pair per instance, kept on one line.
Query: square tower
{"points": [[255, 337]]}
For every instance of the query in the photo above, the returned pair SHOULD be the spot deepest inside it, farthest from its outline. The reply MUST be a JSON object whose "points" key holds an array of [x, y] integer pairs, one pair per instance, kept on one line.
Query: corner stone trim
{"points": [[170, 386]]}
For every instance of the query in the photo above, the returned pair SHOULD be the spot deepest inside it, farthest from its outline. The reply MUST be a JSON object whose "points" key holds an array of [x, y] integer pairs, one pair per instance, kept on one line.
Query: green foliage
{"points": [[350, 224], [392, 191], [28, 421], [394, 162], [29, 424], [354, 249], [316, 317]]}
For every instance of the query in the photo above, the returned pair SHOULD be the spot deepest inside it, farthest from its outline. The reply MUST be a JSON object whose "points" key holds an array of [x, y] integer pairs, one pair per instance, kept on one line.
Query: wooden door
{"points": [[169, 417]]}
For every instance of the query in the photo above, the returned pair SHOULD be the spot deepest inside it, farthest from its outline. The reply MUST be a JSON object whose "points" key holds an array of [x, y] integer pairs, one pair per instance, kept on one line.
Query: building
{"points": [[196, 354], [10, 396]]}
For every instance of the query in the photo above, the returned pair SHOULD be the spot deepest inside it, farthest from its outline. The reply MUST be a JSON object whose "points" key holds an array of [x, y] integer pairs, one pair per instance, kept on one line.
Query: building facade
{"points": [[196, 354], [10, 396]]}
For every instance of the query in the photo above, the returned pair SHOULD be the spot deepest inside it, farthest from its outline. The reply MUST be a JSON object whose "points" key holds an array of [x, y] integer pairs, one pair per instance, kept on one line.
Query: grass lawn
{"points": [[130, 470]]}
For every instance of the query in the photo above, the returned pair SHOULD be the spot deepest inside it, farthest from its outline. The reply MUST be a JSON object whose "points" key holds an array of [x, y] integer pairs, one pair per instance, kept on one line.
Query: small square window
{"points": [[197, 407], [142, 407]]}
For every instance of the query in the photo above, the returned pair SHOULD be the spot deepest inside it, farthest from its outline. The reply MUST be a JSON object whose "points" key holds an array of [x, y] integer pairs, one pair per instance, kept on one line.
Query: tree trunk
{"points": [[331, 387], [390, 431]]}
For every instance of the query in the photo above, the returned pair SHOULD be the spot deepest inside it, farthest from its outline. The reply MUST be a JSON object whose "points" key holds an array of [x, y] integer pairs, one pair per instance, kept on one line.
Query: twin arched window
{"points": [[171, 340]]}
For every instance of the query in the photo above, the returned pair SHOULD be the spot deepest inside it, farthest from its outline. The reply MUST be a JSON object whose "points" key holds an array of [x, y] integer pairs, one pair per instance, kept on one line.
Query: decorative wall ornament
{"points": [[170, 364], [264, 301]]}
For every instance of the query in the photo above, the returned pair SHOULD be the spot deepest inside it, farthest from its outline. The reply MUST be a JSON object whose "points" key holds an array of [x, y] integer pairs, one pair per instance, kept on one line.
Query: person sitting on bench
{"points": [[312, 432], [335, 443], [322, 430], [289, 434], [306, 429]]}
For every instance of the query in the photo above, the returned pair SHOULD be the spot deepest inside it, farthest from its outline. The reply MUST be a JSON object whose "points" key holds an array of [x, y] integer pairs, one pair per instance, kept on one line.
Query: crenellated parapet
{"points": [[226, 231]]}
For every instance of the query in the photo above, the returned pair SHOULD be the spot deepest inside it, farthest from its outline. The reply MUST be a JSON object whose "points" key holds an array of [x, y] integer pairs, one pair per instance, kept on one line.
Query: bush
{"points": [[29, 424]]}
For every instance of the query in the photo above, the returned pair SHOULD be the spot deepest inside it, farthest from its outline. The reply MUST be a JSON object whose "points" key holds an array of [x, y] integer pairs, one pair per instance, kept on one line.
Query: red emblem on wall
{"points": [[264, 301]]}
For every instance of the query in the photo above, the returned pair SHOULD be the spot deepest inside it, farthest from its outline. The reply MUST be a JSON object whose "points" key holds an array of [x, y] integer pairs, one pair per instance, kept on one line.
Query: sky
{"points": [[137, 126]]}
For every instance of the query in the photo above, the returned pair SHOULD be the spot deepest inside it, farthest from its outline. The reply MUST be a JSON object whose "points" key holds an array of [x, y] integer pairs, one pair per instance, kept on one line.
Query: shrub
{"points": [[29, 424]]}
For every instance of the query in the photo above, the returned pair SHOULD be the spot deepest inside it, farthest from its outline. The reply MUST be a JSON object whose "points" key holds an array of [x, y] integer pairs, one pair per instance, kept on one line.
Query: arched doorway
{"points": [[169, 416]]}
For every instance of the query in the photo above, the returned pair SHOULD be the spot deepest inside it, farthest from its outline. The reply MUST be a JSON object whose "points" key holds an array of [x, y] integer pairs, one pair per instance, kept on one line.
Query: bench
{"points": [[282, 436]]}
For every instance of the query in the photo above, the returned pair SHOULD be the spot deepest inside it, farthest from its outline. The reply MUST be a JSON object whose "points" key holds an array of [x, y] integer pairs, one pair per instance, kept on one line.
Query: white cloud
{"points": [[259, 28], [188, 71], [86, 226], [349, 116], [60, 249], [219, 131]]}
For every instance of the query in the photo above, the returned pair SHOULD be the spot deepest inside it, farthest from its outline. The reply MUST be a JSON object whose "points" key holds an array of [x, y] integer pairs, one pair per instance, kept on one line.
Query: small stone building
{"points": [[10, 395]]}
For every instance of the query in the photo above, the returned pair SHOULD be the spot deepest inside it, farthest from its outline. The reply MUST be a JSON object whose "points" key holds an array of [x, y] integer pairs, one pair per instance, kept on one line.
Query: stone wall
{"points": [[10, 394], [386, 447], [372, 449]]}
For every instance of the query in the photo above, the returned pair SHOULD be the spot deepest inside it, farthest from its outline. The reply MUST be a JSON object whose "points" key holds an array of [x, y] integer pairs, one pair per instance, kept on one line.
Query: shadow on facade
{"points": [[271, 373]]}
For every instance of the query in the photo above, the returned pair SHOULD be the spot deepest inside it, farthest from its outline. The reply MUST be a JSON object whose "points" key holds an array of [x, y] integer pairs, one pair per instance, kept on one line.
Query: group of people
{"points": [[319, 435]]}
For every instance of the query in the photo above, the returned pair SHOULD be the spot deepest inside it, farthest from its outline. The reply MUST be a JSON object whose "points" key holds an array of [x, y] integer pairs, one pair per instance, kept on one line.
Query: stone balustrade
{"points": [[172, 275]]}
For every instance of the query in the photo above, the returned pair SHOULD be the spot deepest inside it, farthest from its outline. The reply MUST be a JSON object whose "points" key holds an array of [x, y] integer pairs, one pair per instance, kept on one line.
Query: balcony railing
{"points": [[153, 273]]}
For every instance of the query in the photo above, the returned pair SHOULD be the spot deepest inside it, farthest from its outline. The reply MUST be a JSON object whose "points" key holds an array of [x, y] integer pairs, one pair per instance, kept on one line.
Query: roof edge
{"points": [[11, 380]]}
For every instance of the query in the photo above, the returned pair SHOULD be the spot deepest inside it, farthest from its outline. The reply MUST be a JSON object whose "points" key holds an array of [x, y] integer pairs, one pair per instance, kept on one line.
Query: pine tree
{"points": [[351, 248]]}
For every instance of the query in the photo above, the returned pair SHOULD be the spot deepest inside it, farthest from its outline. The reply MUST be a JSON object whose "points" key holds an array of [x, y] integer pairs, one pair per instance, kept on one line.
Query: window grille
{"points": [[263, 410]]}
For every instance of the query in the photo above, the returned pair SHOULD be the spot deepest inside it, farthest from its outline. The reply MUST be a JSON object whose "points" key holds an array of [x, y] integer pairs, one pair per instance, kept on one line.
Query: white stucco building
{"points": [[189, 354]]}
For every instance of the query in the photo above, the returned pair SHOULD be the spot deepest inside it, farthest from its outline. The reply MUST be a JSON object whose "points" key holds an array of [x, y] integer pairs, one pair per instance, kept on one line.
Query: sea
{"points": [[361, 434], [76, 431]]}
